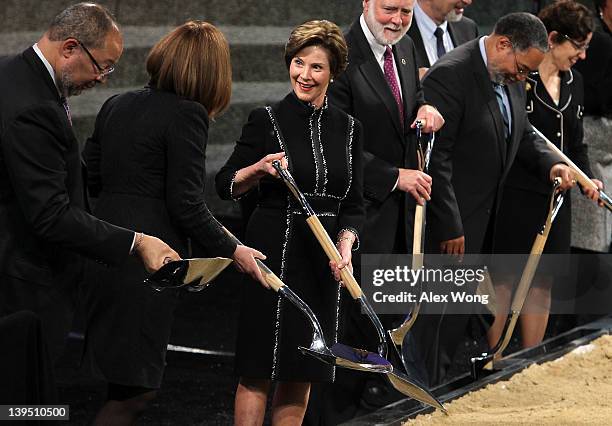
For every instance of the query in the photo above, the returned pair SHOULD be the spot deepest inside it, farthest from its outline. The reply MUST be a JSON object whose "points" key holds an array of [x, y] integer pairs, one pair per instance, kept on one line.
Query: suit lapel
{"points": [[375, 77], [517, 107], [34, 61], [417, 39], [483, 82], [402, 59]]}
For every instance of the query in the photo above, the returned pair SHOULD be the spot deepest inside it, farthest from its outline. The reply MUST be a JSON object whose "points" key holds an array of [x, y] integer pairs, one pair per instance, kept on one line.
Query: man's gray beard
{"points": [[66, 86], [454, 16], [378, 30]]}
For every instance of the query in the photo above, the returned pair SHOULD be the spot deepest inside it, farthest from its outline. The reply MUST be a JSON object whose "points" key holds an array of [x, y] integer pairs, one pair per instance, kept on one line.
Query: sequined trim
{"points": [[314, 150], [338, 295], [352, 231], [300, 212], [351, 125], [231, 188], [282, 277], [277, 132]]}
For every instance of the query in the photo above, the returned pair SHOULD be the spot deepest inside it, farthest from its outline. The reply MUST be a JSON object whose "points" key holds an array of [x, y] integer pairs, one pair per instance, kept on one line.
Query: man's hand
{"points": [[592, 193], [562, 171], [244, 259], [153, 252], [417, 183], [431, 117], [455, 246]]}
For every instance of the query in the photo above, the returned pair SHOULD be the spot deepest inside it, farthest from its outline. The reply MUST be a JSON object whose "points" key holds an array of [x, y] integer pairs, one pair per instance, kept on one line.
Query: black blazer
{"points": [[561, 124], [363, 92], [597, 72], [146, 163], [460, 32], [471, 158], [43, 217]]}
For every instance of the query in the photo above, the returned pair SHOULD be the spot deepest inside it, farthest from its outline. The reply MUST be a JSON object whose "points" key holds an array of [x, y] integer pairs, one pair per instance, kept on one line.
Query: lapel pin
{"points": [[403, 61]]}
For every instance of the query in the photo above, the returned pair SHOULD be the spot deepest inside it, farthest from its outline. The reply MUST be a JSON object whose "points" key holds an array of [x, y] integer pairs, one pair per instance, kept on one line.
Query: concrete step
{"points": [[25, 15], [256, 52], [223, 133]]}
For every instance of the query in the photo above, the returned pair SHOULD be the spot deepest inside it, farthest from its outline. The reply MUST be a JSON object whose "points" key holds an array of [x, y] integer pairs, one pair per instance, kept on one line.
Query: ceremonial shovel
{"points": [[487, 359], [400, 381], [194, 274], [579, 175], [339, 354], [423, 155]]}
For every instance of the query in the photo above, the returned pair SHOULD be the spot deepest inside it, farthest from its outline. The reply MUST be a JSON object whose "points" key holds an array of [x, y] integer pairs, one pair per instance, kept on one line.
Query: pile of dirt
{"points": [[574, 389]]}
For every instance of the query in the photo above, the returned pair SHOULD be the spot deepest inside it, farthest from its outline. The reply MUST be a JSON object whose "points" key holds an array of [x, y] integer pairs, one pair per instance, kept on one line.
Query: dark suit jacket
{"points": [[363, 92], [471, 158], [43, 218], [146, 163], [460, 32]]}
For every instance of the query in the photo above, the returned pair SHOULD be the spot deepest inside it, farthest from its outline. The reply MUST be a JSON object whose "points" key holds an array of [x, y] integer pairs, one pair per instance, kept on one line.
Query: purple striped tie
{"points": [[391, 78]]}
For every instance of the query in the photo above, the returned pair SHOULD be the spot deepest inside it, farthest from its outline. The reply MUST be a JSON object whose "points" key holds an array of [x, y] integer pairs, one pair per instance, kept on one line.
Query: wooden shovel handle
{"points": [[332, 253], [271, 279], [579, 175], [419, 216]]}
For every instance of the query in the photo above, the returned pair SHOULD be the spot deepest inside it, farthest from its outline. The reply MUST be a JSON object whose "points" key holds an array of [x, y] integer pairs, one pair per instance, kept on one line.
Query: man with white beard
{"points": [[439, 26], [381, 88]]}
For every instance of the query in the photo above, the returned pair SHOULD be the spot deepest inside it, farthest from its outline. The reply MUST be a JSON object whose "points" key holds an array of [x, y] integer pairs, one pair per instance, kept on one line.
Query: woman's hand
{"points": [[244, 259], [264, 166], [345, 247], [591, 193], [248, 177]]}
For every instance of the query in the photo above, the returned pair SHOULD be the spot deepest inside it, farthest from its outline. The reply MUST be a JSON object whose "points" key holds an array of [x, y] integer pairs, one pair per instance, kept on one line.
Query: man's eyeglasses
{"points": [[581, 47], [104, 72], [521, 70]]}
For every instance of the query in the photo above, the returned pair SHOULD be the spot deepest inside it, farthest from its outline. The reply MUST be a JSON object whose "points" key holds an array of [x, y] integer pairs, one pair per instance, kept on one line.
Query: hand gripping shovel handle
{"points": [[340, 354], [579, 175], [398, 334], [399, 381], [487, 360]]}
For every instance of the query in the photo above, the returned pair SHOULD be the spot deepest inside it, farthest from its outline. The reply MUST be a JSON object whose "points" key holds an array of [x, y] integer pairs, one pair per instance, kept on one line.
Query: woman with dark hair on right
{"points": [[555, 106], [321, 146], [146, 163]]}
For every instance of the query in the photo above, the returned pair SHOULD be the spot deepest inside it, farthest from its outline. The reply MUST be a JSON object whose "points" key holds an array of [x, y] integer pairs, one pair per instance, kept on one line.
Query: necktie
{"points": [[439, 33], [498, 88], [67, 109], [391, 78]]}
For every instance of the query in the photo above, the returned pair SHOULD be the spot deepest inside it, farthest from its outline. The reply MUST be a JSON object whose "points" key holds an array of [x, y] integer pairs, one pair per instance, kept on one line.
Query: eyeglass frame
{"points": [[579, 47], [519, 70], [103, 72]]}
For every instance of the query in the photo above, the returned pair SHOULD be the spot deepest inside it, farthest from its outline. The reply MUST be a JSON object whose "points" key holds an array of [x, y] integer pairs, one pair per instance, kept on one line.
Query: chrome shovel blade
{"points": [[194, 274], [351, 358]]}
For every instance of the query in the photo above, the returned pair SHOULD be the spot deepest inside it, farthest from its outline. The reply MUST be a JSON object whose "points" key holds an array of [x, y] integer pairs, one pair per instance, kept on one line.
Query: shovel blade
{"points": [[193, 273], [413, 390], [351, 358]]}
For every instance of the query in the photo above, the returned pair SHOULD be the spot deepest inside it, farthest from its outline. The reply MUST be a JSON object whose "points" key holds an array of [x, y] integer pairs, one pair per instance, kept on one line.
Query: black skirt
{"points": [[270, 328]]}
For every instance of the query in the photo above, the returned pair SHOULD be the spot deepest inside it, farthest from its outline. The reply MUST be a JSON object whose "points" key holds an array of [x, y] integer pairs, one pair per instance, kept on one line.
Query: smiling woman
{"points": [[321, 146]]}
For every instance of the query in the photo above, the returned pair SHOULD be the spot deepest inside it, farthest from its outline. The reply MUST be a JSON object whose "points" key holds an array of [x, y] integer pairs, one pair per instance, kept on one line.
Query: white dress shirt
{"points": [[427, 27], [379, 52]]}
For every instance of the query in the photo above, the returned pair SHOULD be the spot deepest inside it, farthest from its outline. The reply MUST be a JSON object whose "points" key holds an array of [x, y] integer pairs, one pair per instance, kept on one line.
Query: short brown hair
{"points": [[568, 17], [193, 61], [319, 33]]}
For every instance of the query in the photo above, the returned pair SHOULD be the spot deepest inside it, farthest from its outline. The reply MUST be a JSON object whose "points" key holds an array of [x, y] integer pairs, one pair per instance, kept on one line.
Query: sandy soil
{"points": [[575, 389]]}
